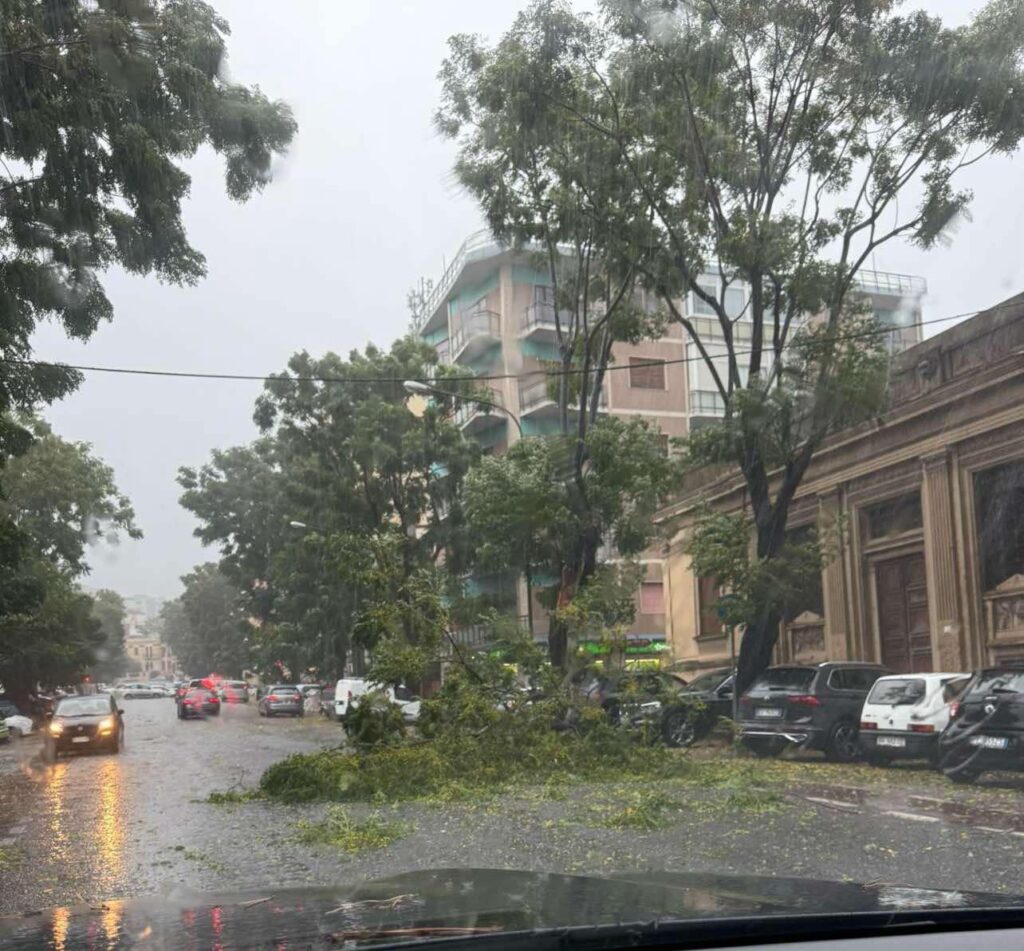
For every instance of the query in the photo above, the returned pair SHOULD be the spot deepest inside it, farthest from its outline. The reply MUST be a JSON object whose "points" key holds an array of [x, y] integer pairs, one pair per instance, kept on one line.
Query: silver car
{"points": [[281, 698]]}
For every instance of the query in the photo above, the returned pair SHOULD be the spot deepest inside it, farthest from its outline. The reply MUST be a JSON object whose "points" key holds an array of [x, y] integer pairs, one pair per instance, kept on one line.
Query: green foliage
{"points": [[102, 104], [109, 611], [233, 797], [205, 626], [374, 721], [647, 812], [350, 835]]}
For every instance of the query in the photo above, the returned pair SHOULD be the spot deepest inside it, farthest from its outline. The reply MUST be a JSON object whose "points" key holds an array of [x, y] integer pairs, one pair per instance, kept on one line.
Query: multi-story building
{"points": [[153, 657], [492, 313]]}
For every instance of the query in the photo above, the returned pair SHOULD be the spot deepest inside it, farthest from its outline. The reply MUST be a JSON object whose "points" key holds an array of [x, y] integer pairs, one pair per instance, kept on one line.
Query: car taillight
{"points": [[805, 700], [868, 725], [922, 728], [214, 700], [954, 709]]}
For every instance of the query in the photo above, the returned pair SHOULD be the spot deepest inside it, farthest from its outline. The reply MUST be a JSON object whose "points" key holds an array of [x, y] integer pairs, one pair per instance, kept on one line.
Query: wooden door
{"points": [[903, 614]]}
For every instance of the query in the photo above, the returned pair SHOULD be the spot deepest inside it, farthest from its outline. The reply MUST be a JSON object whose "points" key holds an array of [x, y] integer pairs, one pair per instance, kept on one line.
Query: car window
{"points": [[786, 678], [82, 706], [905, 690], [998, 681]]}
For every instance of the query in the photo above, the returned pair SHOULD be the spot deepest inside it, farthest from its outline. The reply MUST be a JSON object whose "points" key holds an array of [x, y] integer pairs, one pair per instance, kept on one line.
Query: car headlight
{"points": [[56, 729], [106, 724]]}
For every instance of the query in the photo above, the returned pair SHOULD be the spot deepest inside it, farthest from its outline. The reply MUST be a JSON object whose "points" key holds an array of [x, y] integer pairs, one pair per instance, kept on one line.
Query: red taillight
{"points": [[214, 699], [805, 700], [922, 728], [867, 725], [954, 709]]}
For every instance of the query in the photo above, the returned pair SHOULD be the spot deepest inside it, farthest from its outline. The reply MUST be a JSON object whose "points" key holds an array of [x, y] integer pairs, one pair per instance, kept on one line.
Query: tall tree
{"points": [[101, 103], [777, 146]]}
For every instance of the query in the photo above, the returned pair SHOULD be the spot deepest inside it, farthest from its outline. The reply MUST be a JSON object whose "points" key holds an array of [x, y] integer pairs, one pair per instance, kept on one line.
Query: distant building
{"points": [[153, 657]]}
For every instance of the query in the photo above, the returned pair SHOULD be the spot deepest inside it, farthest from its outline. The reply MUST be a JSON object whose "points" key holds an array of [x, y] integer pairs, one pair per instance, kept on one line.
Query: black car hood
{"points": [[465, 902]]}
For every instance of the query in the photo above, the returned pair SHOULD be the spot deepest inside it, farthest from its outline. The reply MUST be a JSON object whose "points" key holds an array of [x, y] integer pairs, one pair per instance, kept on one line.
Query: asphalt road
{"points": [[96, 826]]}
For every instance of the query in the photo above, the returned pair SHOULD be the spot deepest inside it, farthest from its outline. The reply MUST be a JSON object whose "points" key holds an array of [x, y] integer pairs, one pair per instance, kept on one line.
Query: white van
{"points": [[905, 713], [351, 689]]}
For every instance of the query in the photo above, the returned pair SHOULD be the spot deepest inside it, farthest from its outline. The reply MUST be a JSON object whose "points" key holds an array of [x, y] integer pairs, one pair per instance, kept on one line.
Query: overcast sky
{"points": [[363, 206]]}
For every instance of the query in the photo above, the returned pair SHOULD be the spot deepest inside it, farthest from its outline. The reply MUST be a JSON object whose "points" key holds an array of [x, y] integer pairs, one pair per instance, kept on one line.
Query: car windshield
{"points": [[555, 413], [896, 692], [82, 706]]}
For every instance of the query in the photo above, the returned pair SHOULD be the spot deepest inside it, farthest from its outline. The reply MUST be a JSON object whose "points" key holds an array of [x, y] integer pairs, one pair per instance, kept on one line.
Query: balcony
{"points": [[706, 403], [895, 285], [477, 331], [475, 417], [535, 401], [539, 322]]}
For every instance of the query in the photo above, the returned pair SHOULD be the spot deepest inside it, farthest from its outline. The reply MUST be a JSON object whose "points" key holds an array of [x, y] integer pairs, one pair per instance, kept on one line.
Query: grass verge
{"points": [[340, 830]]}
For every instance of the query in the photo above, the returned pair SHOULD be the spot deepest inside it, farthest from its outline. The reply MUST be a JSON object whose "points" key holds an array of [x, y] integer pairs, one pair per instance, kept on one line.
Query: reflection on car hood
{"points": [[482, 901]]}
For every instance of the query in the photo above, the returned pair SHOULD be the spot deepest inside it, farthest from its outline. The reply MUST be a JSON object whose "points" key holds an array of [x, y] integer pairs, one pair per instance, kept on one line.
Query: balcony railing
{"points": [[706, 403], [539, 394], [481, 325], [541, 316], [885, 282]]}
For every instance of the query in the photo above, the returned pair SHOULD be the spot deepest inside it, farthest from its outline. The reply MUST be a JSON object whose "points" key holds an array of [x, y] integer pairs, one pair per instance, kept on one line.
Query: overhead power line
{"points": [[496, 377]]}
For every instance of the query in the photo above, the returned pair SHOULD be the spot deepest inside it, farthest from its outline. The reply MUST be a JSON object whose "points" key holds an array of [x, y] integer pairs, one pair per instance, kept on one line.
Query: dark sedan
{"points": [[703, 702], [198, 702], [84, 723], [282, 698]]}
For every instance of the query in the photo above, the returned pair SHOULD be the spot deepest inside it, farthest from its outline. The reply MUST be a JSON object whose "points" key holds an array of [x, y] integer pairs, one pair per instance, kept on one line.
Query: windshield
{"points": [[523, 433], [83, 706], [907, 690]]}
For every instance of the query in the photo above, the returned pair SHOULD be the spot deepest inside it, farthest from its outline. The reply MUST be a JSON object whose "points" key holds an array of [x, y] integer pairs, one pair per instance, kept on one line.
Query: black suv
{"points": [[986, 726], [815, 708], [702, 702]]}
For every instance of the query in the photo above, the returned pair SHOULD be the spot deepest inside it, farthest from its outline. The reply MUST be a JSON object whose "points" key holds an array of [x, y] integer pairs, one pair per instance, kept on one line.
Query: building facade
{"points": [[492, 313], [153, 657], [929, 573]]}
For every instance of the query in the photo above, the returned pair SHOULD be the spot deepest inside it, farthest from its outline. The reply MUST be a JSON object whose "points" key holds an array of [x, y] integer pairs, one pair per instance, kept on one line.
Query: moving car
{"points": [[234, 691], [84, 723], [705, 700], [198, 702], [813, 707], [986, 726], [904, 715], [140, 691], [282, 698]]}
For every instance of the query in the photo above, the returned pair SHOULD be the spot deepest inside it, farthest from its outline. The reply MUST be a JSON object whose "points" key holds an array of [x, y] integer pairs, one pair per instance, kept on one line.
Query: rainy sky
{"points": [[362, 207]]}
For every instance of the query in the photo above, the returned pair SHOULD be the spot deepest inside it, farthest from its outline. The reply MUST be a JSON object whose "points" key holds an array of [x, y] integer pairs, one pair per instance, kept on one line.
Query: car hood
{"points": [[466, 901]]}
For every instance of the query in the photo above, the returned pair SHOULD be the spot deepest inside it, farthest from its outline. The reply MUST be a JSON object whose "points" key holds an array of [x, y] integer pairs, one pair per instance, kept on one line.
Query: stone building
{"points": [[930, 571]]}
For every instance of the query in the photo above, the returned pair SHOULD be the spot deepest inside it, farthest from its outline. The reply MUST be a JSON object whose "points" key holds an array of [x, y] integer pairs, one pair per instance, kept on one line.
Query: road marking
{"points": [[910, 815]]}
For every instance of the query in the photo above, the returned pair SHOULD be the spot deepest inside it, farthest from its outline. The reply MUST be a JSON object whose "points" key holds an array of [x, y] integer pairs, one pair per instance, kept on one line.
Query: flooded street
{"points": [[96, 827]]}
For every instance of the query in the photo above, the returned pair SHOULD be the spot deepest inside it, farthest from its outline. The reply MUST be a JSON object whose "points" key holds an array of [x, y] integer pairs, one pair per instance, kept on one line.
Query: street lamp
{"points": [[422, 389]]}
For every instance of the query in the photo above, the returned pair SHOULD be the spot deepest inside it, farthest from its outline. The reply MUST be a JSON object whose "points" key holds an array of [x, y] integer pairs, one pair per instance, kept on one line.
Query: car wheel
{"points": [[842, 745], [880, 760], [764, 747], [679, 729]]}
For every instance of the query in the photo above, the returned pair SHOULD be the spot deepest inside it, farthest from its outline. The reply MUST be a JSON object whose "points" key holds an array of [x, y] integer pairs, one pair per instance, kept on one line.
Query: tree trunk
{"points": [[756, 648]]}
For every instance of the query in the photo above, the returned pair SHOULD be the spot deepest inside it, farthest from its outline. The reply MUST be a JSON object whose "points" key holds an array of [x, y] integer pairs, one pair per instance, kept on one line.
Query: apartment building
{"points": [[493, 314]]}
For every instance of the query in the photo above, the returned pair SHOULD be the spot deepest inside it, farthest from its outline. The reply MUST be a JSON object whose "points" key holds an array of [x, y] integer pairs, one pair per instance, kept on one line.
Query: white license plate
{"points": [[897, 741], [768, 712], [990, 742], [79, 739]]}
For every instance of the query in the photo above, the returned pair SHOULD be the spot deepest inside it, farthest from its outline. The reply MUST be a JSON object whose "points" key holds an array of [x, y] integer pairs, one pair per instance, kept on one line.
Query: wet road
{"points": [[97, 827], [94, 826]]}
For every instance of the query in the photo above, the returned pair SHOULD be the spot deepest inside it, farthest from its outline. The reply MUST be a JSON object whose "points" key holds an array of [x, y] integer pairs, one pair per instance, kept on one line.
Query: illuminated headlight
{"points": [[106, 724], [56, 728]]}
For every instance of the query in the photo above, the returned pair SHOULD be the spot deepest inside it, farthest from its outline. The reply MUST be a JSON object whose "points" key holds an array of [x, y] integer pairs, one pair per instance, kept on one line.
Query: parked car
{"points": [[84, 723], [812, 707], [282, 698], [904, 715], [986, 726], [234, 691], [345, 691], [635, 696], [706, 699], [198, 702], [139, 691], [17, 725]]}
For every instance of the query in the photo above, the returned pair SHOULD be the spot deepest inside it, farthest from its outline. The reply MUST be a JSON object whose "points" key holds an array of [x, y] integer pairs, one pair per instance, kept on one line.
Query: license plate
{"points": [[897, 741], [79, 739], [990, 742], [768, 712]]}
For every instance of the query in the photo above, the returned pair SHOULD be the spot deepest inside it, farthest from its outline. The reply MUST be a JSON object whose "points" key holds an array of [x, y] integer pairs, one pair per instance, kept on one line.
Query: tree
{"points": [[777, 146], [554, 188], [111, 661], [341, 457], [206, 626], [64, 498], [101, 103], [522, 513]]}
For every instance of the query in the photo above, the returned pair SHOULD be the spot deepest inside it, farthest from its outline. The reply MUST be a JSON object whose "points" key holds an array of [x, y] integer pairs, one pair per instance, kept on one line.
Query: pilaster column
{"points": [[945, 616], [833, 581]]}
